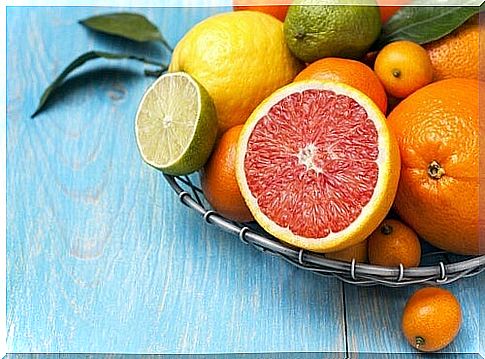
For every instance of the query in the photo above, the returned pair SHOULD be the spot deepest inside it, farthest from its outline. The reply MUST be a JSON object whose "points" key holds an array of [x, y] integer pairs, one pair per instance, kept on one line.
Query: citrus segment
{"points": [[176, 124], [317, 165]]}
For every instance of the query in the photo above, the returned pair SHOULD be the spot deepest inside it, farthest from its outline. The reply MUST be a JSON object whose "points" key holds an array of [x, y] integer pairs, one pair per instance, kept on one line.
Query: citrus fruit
{"points": [[387, 12], [457, 54], [315, 31], [350, 72], [275, 8], [176, 124], [394, 243], [218, 179], [317, 165], [388, 8], [403, 67], [357, 252], [240, 58], [431, 319], [437, 129]]}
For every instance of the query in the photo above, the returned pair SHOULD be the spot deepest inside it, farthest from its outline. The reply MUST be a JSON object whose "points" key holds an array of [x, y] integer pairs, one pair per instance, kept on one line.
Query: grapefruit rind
{"points": [[373, 212]]}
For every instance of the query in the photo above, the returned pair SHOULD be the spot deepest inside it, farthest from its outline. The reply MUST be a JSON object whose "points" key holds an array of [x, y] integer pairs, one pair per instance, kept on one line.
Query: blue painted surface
{"points": [[382, 318], [101, 257]]}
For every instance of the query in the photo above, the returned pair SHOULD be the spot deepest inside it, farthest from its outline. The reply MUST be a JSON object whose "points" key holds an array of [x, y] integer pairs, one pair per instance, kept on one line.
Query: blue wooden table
{"points": [[101, 256]]}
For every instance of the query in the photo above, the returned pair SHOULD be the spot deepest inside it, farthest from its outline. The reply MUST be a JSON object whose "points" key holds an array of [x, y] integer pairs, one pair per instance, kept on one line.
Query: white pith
{"points": [[306, 157]]}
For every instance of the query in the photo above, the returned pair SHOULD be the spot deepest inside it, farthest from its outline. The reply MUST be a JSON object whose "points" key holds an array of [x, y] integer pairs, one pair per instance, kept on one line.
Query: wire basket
{"points": [[443, 269]]}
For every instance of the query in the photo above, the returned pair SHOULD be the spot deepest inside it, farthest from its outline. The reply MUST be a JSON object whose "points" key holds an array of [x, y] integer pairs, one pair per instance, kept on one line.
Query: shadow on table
{"points": [[83, 82], [291, 355]]}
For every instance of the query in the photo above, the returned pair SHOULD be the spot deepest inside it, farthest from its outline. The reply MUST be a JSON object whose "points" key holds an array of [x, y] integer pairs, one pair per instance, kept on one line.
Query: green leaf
{"points": [[91, 55], [423, 24], [131, 26]]}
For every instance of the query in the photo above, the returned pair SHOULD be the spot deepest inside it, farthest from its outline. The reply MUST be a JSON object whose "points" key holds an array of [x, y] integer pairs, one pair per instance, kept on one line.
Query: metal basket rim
{"points": [[316, 262]]}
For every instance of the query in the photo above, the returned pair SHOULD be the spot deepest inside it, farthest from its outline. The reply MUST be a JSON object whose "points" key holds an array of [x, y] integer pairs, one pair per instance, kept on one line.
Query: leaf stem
{"points": [[79, 61]]}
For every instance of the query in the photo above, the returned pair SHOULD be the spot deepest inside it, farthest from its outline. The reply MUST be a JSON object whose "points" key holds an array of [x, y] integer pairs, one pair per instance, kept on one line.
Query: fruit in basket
{"points": [[437, 129], [431, 319], [314, 31], [350, 72], [403, 67], [357, 252], [317, 165], [394, 243], [218, 179], [457, 54], [176, 124], [240, 58], [277, 8]]}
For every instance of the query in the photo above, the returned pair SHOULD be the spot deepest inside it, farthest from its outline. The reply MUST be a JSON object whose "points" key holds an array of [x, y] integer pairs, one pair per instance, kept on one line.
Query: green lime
{"points": [[176, 124], [315, 31]]}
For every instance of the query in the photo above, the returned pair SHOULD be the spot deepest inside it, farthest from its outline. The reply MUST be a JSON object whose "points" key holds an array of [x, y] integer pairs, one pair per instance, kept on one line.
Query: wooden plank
{"points": [[101, 256], [374, 318], [481, 309]]}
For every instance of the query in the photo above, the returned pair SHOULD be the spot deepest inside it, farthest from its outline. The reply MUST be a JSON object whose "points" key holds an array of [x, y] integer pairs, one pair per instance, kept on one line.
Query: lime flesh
{"points": [[176, 124]]}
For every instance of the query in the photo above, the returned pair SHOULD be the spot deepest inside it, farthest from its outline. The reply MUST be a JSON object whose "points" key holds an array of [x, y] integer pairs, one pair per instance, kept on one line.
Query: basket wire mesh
{"points": [[444, 271]]}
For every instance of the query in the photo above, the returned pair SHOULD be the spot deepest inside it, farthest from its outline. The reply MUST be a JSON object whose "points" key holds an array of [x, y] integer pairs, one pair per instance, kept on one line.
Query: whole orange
{"points": [[437, 129], [431, 319], [403, 67], [357, 252], [218, 179], [394, 243], [278, 10], [457, 54], [350, 72]]}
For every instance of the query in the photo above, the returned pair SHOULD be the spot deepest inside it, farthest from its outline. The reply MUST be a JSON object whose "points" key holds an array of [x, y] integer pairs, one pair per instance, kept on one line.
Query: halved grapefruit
{"points": [[317, 165]]}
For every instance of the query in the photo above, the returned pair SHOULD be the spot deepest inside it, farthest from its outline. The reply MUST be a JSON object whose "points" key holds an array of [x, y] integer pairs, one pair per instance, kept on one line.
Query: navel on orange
{"points": [[437, 129], [317, 165], [403, 67], [431, 319], [393, 243]]}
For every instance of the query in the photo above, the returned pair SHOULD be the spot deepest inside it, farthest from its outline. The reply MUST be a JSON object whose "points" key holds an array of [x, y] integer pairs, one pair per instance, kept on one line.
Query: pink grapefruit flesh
{"points": [[315, 165]]}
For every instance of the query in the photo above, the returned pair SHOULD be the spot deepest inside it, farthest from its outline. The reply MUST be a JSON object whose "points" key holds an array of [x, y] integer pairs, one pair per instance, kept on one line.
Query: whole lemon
{"points": [[240, 58]]}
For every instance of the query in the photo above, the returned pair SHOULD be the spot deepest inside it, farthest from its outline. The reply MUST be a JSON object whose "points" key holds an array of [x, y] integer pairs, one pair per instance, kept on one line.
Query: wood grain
{"points": [[481, 317], [101, 256], [381, 321]]}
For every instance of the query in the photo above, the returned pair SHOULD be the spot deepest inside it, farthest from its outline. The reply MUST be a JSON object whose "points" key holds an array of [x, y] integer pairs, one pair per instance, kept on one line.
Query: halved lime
{"points": [[176, 124]]}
